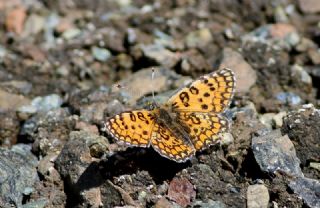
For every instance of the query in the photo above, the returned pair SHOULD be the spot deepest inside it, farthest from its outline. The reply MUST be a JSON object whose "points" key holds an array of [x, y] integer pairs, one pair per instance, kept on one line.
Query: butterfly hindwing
{"points": [[204, 128], [132, 127], [166, 142]]}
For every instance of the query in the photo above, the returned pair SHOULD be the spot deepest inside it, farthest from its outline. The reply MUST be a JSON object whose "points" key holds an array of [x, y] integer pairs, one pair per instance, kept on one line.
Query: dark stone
{"points": [[18, 174]]}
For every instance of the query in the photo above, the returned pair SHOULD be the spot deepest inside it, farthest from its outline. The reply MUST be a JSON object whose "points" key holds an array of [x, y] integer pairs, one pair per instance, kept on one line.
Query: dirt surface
{"points": [[67, 66]]}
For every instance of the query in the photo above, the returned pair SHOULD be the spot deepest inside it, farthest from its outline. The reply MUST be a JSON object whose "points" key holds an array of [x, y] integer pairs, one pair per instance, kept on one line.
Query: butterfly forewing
{"points": [[209, 93]]}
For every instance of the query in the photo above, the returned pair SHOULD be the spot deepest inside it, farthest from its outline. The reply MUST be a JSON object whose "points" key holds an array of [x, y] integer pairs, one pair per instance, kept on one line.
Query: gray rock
{"points": [[124, 3], [199, 38], [160, 55], [63, 71], [26, 110], [302, 75], [100, 54], [46, 164], [315, 165], [308, 189], [204, 178], [44, 119], [93, 112], [18, 174], [51, 22], [209, 204], [278, 118], [40, 203], [30, 126], [115, 107], [257, 196], [273, 120], [76, 165], [194, 63], [267, 119], [167, 41], [274, 152], [292, 39], [277, 36], [303, 128], [47, 103], [48, 131], [288, 98], [71, 33], [227, 139], [41, 104]]}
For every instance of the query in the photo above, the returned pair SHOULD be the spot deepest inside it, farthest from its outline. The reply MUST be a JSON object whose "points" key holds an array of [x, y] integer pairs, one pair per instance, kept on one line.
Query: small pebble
{"points": [[101, 54]]}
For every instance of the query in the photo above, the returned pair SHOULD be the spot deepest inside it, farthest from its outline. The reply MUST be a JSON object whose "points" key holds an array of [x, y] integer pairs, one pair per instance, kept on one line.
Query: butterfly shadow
{"points": [[126, 162], [137, 159]]}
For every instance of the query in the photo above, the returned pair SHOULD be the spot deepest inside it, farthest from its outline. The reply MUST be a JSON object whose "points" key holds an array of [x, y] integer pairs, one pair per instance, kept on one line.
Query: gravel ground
{"points": [[61, 65]]}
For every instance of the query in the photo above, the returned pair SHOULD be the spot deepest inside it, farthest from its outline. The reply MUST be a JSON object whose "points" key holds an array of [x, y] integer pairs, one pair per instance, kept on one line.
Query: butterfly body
{"points": [[167, 117], [191, 120]]}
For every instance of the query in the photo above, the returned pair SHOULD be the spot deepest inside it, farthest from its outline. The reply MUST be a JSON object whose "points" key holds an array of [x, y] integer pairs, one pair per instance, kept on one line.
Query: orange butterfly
{"points": [[191, 120]]}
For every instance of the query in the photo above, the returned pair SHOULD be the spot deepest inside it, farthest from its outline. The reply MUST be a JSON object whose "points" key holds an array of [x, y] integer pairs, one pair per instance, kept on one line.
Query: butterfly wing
{"points": [[209, 93], [204, 128], [169, 145], [132, 127]]}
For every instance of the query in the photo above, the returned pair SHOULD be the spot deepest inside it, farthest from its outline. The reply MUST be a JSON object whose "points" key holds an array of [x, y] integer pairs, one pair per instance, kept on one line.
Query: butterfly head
{"points": [[151, 105]]}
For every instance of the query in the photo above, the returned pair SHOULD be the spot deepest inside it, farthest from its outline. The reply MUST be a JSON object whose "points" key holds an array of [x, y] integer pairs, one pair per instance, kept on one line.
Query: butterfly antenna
{"points": [[152, 78]]}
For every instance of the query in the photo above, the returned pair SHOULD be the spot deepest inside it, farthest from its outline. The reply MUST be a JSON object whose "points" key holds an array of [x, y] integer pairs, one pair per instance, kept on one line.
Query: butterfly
{"points": [[191, 120]]}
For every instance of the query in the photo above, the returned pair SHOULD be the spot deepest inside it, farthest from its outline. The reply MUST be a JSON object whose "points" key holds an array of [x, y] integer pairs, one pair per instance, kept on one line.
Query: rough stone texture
{"points": [[279, 36], [205, 179], [18, 174], [274, 153], [308, 189], [257, 196], [245, 125], [50, 178], [42, 130], [165, 203], [210, 204], [181, 191], [303, 128], [81, 50], [81, 173], [9, 128], [273, 77], [193, 63]]}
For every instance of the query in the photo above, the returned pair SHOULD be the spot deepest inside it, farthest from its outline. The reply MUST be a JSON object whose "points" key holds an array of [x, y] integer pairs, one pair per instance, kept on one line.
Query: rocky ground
{"points": [[60, 62]]}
